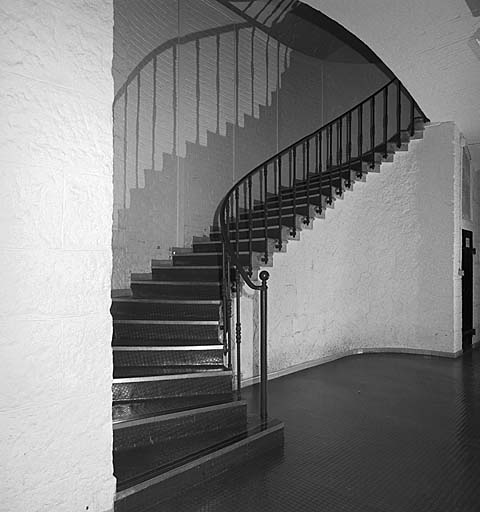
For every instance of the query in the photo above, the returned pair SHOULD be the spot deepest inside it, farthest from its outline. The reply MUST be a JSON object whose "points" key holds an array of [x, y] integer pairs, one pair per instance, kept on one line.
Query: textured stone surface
{"points": [[55, 253], [377, 272]]}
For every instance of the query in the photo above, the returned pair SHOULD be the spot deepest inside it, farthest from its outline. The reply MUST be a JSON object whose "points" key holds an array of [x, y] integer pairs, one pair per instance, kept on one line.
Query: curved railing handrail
{"points": [[227, 246], [170, 43], [329, 164]]}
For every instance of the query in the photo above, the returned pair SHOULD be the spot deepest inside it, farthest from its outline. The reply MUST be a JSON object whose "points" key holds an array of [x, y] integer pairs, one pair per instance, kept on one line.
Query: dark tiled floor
{"points": [[369, 433]]}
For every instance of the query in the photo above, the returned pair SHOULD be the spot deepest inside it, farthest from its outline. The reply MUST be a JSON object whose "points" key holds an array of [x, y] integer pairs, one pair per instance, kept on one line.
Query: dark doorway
{"points": [[467, 289]]}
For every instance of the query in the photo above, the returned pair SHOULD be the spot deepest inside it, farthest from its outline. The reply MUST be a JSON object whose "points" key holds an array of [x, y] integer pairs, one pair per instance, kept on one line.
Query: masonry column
{"points": [[56, 97]]}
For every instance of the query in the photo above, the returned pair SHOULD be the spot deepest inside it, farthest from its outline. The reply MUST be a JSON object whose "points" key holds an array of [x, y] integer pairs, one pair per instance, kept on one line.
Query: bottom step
{"points": [[201, 467]]}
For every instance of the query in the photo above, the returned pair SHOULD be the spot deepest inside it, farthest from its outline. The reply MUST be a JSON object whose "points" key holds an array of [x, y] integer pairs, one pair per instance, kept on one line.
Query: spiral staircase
{"points": [[177, 412]]}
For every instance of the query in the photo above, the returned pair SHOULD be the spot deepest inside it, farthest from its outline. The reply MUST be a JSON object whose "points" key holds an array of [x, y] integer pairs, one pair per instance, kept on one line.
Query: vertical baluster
{"points": [[412, 117], [227, 292], [306, 150], [319, 170], [265, 212], [385, 122], [238, 333], [224, 306], [372, 130], [330, 162], [237, 215], [349, 149], [303, 162], [340, 153], [399, 114], [360, 139], [264, 275], [279, 166], [316, 154], [293, 155], [250, 214]]}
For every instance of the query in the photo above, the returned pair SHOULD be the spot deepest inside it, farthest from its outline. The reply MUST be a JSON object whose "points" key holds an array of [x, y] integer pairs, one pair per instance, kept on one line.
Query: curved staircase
{"points": [[178, 420]]}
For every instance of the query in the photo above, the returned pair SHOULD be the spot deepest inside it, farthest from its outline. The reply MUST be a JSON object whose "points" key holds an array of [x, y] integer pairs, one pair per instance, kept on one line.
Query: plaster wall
{"points": [[174, 162], [379, 272], [431, 46], [56, 92]]}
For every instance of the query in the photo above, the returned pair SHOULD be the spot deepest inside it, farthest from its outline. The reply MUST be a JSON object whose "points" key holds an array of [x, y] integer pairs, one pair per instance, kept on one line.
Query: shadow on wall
{"points": [[202, 97]]}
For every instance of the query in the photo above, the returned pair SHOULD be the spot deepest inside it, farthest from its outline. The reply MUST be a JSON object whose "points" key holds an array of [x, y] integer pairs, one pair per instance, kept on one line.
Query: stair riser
{"points": [[158, 311], [273, 233], [177, 358], [145, 390], [173, 291], [186, 274], [164, 335], [206, 469], [231, 419], [257, 246], [208, 259]]}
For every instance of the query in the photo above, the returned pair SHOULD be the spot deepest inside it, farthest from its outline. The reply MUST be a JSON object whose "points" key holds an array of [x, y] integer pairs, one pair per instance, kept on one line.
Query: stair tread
{"points": [[139, 409], [151, 371], [139, 464]]}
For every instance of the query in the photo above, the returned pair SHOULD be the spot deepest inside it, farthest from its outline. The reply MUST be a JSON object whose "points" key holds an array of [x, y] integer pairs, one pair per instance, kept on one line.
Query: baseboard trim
{"points": [[327, 359]]}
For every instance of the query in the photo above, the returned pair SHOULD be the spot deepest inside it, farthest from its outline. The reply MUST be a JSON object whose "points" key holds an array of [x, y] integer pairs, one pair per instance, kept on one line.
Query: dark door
{"points": [[467, 289]]}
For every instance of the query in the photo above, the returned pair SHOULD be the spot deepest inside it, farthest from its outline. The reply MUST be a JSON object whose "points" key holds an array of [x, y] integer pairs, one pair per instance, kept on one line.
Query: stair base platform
{"points": [[201, 467]]}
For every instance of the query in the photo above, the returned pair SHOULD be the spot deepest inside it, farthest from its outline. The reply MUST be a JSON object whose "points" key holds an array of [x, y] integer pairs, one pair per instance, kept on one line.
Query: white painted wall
{"points": [[431, 47], [55, 255], [379, 272]]}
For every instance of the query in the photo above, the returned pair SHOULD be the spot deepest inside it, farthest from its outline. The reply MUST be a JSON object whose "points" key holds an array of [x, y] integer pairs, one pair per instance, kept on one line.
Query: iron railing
{"points": [[294, 185]]}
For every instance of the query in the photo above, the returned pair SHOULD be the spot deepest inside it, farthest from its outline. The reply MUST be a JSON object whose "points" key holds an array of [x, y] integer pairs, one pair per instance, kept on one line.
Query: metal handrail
{"points": [[330, 163]]}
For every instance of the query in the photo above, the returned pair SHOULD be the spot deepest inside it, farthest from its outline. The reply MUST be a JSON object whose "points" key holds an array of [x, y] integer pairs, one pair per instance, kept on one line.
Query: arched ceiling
{"points": [[432, 46]]}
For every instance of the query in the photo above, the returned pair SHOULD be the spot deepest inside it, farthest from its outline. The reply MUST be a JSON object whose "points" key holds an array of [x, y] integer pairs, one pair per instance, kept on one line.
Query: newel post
{"points": [[264, 275]]}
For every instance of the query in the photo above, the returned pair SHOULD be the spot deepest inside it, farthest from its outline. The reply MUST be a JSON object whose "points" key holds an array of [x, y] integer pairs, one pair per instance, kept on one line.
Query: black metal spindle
{"points": [[265, 213], [399, 113], [294, 202], [360, 137], [279, 167], [349, 149], [237, 217], [250, 213], [306, 149], [238, 333], [372, 129], [340, 153], [385, 122], [264, 275], [412, 117], [330, 162]]}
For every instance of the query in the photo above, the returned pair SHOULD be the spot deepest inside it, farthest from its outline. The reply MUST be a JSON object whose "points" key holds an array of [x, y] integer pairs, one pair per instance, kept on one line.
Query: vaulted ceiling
{"points": [[433, 46]]}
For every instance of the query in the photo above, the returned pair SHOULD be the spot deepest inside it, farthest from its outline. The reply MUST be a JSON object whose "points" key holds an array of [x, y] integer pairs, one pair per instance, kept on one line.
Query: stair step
{"points": [[139, 409], [176, 289], [258, 245], [165, 332], [215, 258], [273, 232], [169, 310], [151, 476], [160, 371], [230, 417], [193, 273], [126, 389], [148, 356]]}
